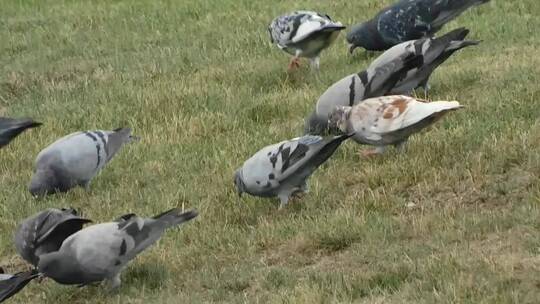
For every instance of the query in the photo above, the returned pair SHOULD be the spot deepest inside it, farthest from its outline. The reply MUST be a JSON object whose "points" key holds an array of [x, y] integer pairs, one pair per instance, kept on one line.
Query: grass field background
{"points": [[455, 219]]}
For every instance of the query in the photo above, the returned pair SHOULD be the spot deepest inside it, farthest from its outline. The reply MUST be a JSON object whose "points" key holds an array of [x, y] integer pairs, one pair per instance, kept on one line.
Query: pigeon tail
{"points": [[457, 34], [11, 128], [175, 217], [13, 285]]}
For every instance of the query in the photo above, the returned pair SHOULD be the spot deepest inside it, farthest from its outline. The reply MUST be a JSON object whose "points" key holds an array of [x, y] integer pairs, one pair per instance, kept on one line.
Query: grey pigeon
{"points": [[376, 80], [388, 120], [100, 252], [406, 20], [282, 169], [304, 34], [11, 128], [75, 159], [434, 50], [12, 284], [45, 231]]}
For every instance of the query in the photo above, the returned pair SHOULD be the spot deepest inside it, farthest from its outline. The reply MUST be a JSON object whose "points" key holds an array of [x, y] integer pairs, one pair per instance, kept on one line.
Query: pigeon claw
{"points": [[370, 153], [294, 64]]}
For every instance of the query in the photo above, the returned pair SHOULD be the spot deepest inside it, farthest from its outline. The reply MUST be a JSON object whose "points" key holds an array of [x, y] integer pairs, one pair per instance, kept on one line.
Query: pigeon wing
{"points": [[399, 112]]}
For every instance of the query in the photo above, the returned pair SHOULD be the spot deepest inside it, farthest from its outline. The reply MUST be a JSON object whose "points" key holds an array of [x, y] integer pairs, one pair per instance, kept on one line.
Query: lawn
{"points": [[455, 219]]}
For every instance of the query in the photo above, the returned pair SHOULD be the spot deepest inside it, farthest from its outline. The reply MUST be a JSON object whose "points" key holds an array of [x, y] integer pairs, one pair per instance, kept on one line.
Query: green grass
{"points": [[203, 87]]}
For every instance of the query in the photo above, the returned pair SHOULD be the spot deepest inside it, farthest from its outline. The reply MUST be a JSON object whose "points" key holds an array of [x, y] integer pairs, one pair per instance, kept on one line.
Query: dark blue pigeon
{"points": [[404, 21]]}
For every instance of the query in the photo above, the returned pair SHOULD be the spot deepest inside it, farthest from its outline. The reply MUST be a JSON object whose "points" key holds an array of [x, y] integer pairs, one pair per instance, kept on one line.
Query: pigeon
{"points": [[11, 128], [304, 34], [404, 21], [12, 284], [282, 169], [435, 52], [75, 159], [387, 120], [376, 80], [45, 231], [100, 252]]}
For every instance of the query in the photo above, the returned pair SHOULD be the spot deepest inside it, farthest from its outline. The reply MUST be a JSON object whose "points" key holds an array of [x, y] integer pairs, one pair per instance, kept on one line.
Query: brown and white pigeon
{"points": [[75, 159], [304, 34], [388, 120], [376, 80], [282, 169]]}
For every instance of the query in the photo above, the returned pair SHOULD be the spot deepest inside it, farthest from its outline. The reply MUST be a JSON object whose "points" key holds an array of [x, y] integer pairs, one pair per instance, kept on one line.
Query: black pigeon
{"points": [[404, 21], [11, 128]]}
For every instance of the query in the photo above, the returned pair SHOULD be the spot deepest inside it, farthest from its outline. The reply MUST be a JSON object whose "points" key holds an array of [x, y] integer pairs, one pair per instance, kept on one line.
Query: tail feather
{"points": [[11, 128], [13, 285], [175, 216], [457, 34]]}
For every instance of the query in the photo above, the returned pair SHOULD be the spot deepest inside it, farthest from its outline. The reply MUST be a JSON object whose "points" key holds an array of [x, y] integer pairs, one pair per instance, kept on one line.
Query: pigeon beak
{"points": [[351, 48]]}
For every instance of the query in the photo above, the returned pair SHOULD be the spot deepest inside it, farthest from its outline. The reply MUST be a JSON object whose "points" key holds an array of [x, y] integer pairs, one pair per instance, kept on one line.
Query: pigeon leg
{"points": [[86, 185], [115, 281], [315, 62], [284, 200], [304, 187], [401, 146], [294, 63], [374, 152]]}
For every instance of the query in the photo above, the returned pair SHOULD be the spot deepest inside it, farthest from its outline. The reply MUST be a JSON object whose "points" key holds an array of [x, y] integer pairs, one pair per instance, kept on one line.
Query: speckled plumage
{"points": [[304, 33], [406, 20], [282, 169]]}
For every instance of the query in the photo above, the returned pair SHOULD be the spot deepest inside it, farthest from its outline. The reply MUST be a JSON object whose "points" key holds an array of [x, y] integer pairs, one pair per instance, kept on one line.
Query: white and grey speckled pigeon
{"points": [[75, 159], [304, 34], [282, 169], [434, 50], [100, 252], [10, 284], [376, 80], [388, 120], [11, 128], [45, 231], [406, 20]]}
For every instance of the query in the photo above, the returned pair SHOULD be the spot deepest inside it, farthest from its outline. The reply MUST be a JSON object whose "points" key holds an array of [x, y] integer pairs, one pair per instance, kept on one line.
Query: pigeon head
{"points": [[53, 265], [43, 182], [314, 125], [239, 183], [365, 35], [337, 119]]}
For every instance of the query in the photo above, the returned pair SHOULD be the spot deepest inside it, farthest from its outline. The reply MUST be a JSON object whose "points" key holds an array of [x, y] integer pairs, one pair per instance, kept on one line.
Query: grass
{"points": [[203, 87]]}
